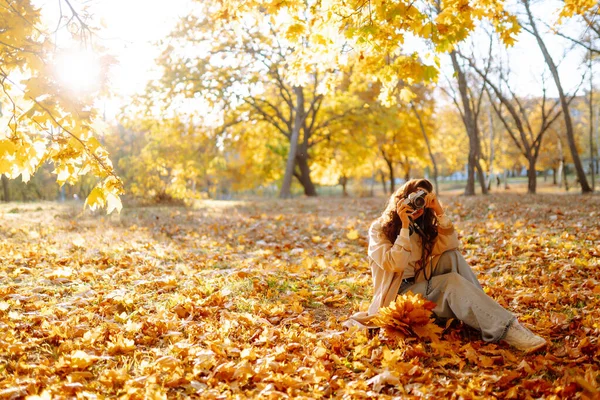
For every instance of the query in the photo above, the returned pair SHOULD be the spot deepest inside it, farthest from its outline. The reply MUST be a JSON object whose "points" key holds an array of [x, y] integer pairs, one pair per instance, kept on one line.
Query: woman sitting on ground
{"points": [[414, 247]]}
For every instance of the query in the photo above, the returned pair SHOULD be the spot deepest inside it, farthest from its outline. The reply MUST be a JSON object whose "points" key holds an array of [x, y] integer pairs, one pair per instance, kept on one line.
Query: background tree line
{"points": [[265, 96]]}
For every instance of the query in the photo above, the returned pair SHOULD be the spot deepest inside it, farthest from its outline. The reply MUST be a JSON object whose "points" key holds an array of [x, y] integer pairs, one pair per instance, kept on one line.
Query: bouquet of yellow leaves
{"points": [[410, 315]]}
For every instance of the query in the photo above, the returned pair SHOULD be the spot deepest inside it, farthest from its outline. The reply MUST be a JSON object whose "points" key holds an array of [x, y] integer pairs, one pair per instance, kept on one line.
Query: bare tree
{"points": [[528, 140], [426, 138], [591, 123], [533, 30], [469, 109]]}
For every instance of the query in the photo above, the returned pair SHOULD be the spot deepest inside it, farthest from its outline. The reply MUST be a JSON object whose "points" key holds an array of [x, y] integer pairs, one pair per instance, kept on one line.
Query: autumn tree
{"points": [[378, 31], [44, 121], [166, 160], [450, 138], [246, 69], [394, 132]]}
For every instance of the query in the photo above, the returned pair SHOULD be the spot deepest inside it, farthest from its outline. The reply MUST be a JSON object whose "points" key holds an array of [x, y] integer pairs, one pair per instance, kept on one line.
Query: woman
{"points": [[416, 249]]}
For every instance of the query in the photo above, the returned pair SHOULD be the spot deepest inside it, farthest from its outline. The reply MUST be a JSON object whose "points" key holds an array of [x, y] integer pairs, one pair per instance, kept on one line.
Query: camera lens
{"points": [[419, 202]]}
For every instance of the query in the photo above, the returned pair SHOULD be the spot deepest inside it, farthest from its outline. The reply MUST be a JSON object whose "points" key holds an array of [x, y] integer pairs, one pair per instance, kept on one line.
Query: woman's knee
{"points": [[454, 280], [450, 282], [451, 253]]}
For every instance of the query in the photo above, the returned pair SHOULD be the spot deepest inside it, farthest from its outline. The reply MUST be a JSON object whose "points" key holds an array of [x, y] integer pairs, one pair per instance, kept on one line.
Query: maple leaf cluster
{"points": [[247, 299], [410, 315]]}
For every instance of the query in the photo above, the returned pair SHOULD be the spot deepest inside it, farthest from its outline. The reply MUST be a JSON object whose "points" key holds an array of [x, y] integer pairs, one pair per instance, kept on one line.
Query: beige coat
{"points": [[391, 263]]}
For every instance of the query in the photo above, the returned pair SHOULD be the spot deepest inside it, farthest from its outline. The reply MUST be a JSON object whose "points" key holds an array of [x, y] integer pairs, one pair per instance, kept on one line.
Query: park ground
{"points": [[246, 299]]}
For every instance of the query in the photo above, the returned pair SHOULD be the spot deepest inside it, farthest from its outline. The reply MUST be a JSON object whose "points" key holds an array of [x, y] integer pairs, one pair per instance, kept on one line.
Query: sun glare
{"points": [[78, 71]]}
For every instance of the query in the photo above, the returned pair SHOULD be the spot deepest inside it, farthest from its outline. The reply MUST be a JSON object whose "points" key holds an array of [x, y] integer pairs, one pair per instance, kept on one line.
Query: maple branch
{"points": [[521, 108], [18, 48], [575, 41], [61, 126], [274, 71], [506, 124], [283, 89], [507, 103], [591, 24], [288, 123], [454, 98], [266, 116], [546, 121], [577, 88], [315, 110], [14, 106], [84, 26], [549, 122], [357, 11]]}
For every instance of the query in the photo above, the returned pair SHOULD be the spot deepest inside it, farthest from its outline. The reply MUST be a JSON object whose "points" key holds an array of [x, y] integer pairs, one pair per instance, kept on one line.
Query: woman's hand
{"points": [[431, 201], [404, 211]]}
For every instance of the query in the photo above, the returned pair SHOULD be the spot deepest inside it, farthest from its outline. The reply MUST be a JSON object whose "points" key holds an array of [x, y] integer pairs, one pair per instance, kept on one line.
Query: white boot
{"points": [[523, 339]]}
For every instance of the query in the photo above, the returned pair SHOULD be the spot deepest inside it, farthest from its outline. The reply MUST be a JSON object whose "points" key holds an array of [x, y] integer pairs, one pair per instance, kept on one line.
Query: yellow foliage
{"points": [[409, 315], [45, 124]]}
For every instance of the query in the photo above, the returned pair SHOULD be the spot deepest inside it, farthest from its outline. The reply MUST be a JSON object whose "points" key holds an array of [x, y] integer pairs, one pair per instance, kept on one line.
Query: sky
{"points": [[131, 29]]}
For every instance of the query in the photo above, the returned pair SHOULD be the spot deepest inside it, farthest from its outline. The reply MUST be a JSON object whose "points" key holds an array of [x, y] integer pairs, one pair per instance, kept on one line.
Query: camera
{"points": [[416, 200]]}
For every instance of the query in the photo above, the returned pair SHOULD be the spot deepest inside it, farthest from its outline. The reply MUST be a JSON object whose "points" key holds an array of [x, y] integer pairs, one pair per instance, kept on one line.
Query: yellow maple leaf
{"points": [[406, 95], [352, 235], [81, 359]]}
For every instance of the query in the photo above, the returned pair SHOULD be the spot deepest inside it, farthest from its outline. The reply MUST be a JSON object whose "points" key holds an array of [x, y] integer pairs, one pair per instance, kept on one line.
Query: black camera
{"points": [[416, 200]]}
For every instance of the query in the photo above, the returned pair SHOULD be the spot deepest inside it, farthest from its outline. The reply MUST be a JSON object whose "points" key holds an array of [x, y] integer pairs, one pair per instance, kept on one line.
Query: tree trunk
{"points": [[561, 161], [304, 178], [470, 188], [554, 172], [585, 187], [382, 177], [598, 140], [481, 177], [592, 124], [286, 186], [344, 183], [406, 167], [491, 166], [431, 157], [5, 188], [372, 185], [391, 175], [469, 122], [531, 176]]}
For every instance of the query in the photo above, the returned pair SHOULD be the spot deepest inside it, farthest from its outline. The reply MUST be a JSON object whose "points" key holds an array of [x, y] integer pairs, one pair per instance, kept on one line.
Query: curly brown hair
{"points": [[427, 223]]}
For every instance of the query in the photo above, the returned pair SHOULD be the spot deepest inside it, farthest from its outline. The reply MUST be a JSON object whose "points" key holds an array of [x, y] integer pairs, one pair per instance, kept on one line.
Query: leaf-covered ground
{"points": [[246, 299]]}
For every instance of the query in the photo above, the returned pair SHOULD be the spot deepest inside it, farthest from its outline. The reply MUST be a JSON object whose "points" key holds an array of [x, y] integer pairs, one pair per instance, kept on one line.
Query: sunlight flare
{"points": [[79, 71]]}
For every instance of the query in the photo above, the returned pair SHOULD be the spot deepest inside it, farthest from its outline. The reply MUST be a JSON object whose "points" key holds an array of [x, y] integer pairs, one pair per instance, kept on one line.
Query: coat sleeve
{"points": [[386, 255], [447, 238]]}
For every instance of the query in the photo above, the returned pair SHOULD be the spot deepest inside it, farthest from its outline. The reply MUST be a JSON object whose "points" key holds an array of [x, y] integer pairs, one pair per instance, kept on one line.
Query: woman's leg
{"points": [[457, 297], [453, 261]]}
